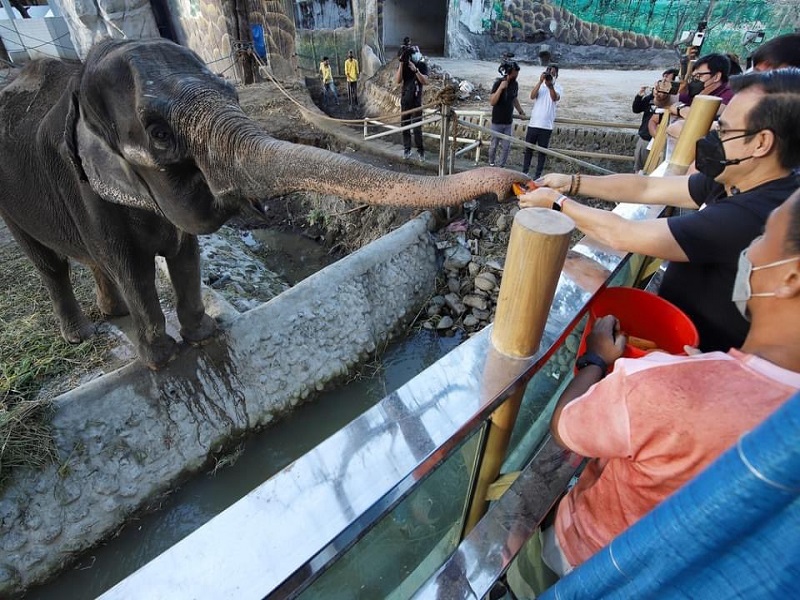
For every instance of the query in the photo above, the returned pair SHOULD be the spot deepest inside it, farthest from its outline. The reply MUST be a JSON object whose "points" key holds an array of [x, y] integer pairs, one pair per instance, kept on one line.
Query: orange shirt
{"points": [[651, 426]]}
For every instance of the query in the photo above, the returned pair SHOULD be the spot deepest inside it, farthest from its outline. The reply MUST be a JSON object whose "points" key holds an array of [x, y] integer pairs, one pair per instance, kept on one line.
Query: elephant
{"points": [[138, 150]]}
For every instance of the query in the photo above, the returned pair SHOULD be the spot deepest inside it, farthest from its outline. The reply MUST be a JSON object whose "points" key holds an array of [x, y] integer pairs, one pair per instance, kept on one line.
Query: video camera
{"points": [[406, 50], [506, 64]]}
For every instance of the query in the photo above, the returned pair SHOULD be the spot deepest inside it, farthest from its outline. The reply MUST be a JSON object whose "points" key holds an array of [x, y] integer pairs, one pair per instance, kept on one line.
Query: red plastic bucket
{"points": [[645, 316]]}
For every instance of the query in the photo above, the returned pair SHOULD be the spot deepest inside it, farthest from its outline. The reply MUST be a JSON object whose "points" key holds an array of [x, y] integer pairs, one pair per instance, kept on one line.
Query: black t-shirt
{"points": [[503, 111], [645, 106], [713, 239], [412, 88]]}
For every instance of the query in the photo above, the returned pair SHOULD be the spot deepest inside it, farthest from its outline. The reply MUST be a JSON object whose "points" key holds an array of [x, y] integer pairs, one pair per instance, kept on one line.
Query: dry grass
{"points": [[32, 356]]}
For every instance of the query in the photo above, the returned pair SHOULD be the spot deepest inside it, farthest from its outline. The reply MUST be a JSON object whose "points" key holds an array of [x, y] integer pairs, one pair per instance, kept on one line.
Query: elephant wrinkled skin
{"points": [[139, 150]]}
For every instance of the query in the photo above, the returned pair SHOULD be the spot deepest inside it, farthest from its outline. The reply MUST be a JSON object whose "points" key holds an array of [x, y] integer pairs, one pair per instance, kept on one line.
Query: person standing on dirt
{"points": [[412, 72], [504, 100], [328, 84], [351, 73], [545, 95]]}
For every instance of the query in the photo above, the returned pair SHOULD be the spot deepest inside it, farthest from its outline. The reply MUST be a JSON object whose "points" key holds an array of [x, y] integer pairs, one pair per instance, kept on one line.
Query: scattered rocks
{"points": [[472, 270]]}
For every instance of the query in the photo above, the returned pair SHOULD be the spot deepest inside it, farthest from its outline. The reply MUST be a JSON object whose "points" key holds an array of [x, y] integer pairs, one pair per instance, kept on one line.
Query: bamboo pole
{"points": [[659, 144], [536, 252], [704, 110]]}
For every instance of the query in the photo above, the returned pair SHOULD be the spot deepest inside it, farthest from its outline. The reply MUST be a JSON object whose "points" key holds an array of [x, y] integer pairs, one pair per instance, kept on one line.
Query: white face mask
{"points": [[741, 286], [416, 57]]}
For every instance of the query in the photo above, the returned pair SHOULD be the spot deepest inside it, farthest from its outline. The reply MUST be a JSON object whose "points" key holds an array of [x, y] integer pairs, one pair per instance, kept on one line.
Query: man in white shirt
{"points": [[543, 116]]}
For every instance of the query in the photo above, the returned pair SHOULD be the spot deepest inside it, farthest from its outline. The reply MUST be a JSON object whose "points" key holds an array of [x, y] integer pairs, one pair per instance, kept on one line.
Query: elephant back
{"points": [[33, 93]]}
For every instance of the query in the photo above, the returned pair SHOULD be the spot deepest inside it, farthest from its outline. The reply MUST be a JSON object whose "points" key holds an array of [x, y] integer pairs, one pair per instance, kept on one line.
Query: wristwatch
{"points": [[591, 358], [558, 203], [678, 108]]}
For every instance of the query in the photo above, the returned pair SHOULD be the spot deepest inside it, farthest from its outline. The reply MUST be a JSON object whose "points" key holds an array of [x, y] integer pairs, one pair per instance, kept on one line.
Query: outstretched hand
{"points": [[539, 198], [557, 181], [606, 340]]}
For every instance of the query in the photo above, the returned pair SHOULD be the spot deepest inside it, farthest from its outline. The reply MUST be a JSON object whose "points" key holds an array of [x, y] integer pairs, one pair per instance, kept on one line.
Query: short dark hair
{"points": [[324, 58], [717, 63], [793, 234], [783, 50], [554, 67], [673, 72], [736, 68], [778, 110]]}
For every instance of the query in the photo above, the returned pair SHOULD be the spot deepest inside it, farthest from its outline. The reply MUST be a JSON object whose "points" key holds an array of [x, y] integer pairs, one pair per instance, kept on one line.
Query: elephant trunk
{"points": [[260, 167]]}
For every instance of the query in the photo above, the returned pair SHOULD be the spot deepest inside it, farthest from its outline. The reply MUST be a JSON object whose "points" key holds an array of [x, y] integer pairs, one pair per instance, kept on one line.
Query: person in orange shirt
{"points": [[655, 422]]}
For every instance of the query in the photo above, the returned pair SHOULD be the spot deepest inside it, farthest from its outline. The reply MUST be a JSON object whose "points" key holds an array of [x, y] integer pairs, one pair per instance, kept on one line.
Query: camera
{"points": [[506, 64], [405, 53], [548, 78], [667, 87]]}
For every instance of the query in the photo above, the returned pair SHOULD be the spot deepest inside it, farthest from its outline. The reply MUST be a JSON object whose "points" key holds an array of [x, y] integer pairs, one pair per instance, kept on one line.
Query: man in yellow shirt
{"points": [[351, 72], [328, 84]]}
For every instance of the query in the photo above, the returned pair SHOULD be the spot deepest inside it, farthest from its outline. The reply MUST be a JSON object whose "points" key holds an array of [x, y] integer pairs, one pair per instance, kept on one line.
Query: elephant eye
{"points": [[160, 134]]}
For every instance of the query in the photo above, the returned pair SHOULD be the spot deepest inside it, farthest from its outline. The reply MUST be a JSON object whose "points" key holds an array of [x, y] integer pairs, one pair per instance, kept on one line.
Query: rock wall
{"points": [[90, 22], [127, 437], [208, 29]]}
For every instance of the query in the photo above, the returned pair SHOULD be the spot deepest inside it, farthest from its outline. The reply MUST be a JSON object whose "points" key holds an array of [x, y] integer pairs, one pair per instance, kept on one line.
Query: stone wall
{"points": [[129, 436]]}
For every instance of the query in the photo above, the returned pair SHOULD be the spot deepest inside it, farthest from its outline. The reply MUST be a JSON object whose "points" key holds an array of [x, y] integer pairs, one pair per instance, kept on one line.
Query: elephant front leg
{"points": [[136, 281], [184, 271], [54, 271]]}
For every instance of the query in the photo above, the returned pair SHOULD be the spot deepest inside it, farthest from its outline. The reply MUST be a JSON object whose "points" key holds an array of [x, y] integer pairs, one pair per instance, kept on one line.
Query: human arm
{"points": [[398, 77], [652, 124], [606, 342], [551, 88], [640, 189], [651, 237], [641, 101], [537, 87], [518, 106], [497, 93]]}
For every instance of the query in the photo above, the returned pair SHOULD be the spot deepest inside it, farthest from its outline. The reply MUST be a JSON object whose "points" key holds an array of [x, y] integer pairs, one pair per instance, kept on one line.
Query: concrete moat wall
{"points": [[132, 435]]}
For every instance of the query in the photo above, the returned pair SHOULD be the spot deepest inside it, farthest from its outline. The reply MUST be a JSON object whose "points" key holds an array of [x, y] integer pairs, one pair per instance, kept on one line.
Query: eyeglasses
{"points": [[698, 75], [724, 132]]}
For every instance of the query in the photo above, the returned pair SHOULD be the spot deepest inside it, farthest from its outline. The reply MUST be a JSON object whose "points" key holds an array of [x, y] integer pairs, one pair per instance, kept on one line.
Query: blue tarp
{"points": [[732, 532]]}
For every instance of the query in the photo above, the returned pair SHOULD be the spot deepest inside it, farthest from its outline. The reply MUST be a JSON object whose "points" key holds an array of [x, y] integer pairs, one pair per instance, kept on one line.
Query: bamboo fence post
{"points": [[536, 252], [702, 114]]}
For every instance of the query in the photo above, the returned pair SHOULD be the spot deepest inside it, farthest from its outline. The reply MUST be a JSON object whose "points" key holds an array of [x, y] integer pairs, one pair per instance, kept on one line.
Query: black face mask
{"points": [[710, 154], [695, 87]]}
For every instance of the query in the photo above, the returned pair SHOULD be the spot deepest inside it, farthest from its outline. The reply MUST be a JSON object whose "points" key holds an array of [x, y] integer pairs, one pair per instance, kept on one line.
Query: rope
{"points": [[345, 121]]}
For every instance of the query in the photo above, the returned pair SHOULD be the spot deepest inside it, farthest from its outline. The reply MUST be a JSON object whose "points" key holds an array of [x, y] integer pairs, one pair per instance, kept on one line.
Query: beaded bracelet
{"points": [[571, 185], [577, 185]]}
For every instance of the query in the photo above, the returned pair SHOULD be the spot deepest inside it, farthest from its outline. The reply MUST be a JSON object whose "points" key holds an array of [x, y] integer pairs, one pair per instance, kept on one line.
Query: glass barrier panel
{"points": [[406, 546]]}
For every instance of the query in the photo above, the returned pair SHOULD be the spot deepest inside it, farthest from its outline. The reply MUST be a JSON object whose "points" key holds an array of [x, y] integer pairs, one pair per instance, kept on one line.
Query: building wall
{"points": [[422, 20]]}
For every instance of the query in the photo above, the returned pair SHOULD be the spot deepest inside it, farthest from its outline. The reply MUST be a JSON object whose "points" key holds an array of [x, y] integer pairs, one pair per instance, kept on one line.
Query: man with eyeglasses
{"points": [[745, 171], [709, 78]]}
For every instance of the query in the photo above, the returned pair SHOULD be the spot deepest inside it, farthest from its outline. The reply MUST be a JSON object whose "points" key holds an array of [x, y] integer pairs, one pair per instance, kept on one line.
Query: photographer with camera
{"points": [[545, 95], [645, 103], [412, 72], [504, 100]]}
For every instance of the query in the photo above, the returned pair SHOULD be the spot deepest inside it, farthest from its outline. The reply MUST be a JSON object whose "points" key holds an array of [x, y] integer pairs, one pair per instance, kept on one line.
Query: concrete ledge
{"points": [[133, 434]]}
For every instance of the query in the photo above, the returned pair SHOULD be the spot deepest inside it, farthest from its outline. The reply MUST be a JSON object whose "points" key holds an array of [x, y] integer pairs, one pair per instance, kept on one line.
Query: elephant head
{"points": [[152, 127]]}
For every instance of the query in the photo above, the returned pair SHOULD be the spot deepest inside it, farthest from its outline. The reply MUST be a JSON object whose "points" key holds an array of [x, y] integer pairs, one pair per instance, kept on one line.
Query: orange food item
{"points": [[642, 343], [523, 187]]}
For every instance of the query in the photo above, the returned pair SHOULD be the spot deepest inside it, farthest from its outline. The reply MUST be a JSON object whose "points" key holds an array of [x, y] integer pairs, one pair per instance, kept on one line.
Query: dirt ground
{"points": [[588, 94]]}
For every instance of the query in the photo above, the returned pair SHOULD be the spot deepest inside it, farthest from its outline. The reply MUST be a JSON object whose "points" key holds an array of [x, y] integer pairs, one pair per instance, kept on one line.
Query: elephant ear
{"points": [[70, 150], [108, 173]]}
